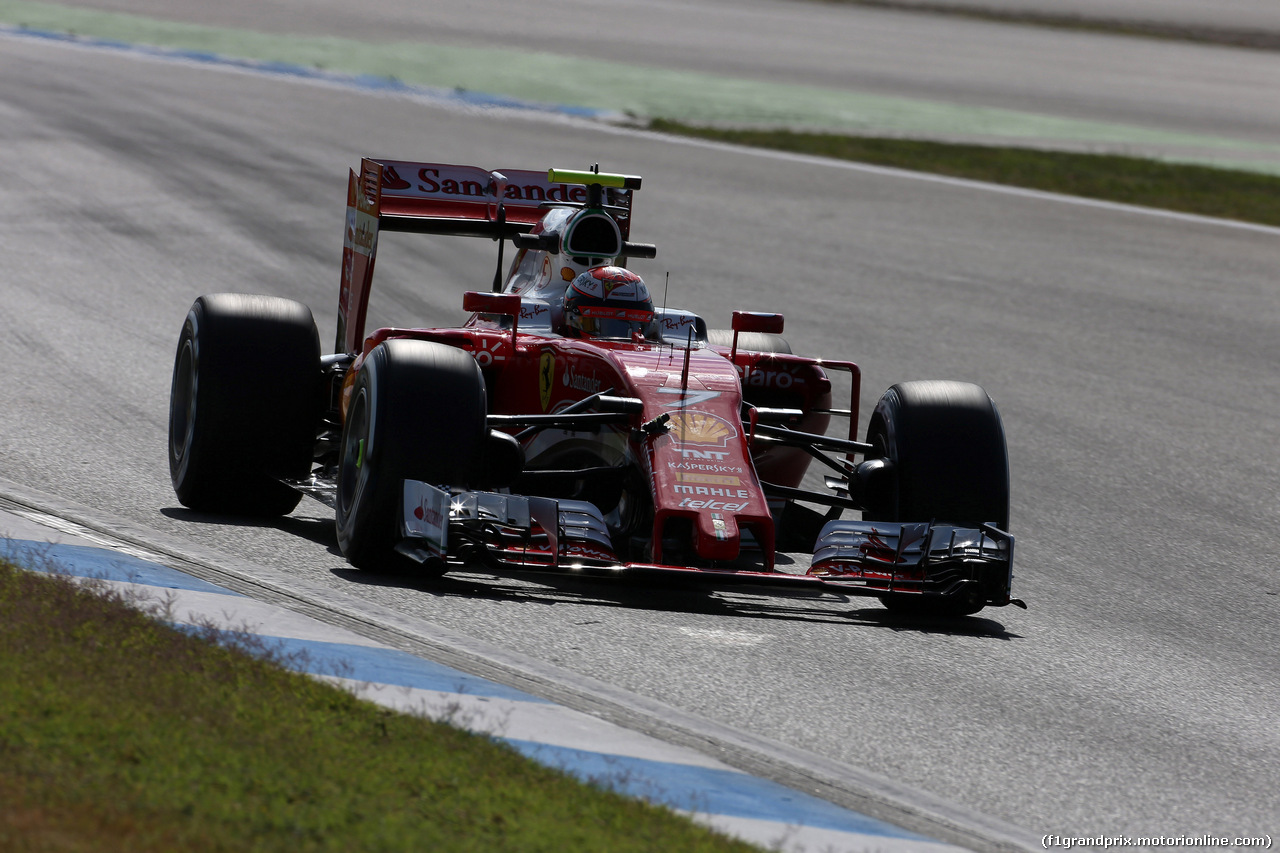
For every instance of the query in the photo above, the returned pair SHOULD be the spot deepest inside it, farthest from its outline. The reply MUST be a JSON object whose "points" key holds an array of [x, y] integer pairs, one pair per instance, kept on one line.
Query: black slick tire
{"points": [[417, 411], [244, 404], [948, 463]]}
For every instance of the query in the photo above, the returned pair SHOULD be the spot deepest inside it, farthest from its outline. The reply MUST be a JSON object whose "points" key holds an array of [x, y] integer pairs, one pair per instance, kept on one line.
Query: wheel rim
{"points": [[355, 452], [182, 402]]}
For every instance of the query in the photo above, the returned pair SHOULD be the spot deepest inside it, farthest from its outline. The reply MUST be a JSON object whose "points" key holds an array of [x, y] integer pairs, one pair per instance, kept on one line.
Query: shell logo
{"points": [[700, 428]]}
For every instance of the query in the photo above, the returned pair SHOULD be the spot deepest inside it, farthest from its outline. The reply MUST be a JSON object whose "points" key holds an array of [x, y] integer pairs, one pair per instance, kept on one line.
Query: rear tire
{"points": [[749, 341], [244, 404], [417, 411], [948, 463]]}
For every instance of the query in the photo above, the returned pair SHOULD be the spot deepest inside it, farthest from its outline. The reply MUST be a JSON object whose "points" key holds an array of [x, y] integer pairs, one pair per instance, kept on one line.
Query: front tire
{"points": [[417, 411], [948, 463], [244, 404]]}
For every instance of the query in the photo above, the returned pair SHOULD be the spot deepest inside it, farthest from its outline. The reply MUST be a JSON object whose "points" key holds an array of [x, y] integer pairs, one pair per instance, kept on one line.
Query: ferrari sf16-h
{"points": [[571, 426]]}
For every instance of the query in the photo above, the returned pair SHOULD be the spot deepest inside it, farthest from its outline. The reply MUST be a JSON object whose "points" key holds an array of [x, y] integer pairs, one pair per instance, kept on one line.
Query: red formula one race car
{"points": [[571, 427]]}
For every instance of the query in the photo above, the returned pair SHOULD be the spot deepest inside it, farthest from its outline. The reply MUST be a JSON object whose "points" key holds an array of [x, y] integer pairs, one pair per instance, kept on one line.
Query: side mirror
{"points": [[507, 304], [753, 321], [756, 321]]}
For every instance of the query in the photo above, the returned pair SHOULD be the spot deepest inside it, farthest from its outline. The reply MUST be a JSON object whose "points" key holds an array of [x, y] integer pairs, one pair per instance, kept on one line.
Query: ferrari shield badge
{"points": [[546, 373]]}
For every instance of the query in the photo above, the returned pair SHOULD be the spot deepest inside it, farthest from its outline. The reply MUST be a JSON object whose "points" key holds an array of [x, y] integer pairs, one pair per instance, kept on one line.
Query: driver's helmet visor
{"points": [[608, 321]]}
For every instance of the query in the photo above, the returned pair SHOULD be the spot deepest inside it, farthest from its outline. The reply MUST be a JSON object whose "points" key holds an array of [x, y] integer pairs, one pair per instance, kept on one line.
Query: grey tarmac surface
{"points": [[1132, 356]]}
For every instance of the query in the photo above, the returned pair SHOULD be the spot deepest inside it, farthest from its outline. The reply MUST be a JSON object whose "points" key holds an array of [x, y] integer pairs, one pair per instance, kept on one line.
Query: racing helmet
{"points": [[607, 302]]}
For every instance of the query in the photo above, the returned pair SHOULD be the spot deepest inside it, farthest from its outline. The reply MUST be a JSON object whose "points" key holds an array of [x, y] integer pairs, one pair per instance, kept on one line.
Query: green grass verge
{"points": [[1203, 190], [1197, 33], [120, 733]]}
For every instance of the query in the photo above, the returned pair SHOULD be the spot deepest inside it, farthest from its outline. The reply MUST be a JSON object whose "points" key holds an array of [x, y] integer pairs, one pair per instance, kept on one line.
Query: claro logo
{"points": [[760, 377]]}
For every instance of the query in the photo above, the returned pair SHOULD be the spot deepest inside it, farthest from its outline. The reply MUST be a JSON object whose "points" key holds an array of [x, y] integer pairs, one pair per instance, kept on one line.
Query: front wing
{"points": [[513, 533]]}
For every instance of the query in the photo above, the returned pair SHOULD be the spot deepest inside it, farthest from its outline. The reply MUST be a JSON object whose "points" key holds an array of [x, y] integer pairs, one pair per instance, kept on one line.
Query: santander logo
{"points": [[429, 515], [580, 382]]}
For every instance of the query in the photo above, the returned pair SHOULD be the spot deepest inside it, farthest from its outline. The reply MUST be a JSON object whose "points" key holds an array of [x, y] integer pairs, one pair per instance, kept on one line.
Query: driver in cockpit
{"points": [[606, 302]]}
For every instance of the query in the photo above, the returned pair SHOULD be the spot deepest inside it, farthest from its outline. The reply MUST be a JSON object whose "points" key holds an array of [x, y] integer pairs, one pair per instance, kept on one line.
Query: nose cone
{"points": [[718, 537]]}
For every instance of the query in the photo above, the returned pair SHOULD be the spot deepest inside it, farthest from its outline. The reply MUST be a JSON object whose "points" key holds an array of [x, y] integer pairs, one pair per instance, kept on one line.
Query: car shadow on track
{"points": [[631, 595], [553, 590], [313, 529], [977, 625]]}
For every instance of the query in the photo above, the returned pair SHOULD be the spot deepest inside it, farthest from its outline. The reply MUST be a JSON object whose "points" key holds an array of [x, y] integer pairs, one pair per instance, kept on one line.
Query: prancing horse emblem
{"points": [[546, 372]]}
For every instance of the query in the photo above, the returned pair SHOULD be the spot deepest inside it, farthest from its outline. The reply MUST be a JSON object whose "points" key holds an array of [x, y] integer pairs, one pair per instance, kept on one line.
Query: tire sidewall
{"points": [[244, 403], [184, 401], [420, 408], [946, 447], [357, 506]]}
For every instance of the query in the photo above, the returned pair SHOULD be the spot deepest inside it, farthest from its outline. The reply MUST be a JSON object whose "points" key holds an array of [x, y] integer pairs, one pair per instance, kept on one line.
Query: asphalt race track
{"points": [[1132, 354]]}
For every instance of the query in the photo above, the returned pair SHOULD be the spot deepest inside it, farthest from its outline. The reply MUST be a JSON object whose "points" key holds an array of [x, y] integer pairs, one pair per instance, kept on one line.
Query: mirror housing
{"points": [[506, 304], [757, 321]]}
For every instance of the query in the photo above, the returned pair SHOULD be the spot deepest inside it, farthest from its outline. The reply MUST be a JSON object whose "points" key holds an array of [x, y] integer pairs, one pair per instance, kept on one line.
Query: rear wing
{"points": [[438, 198]]}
